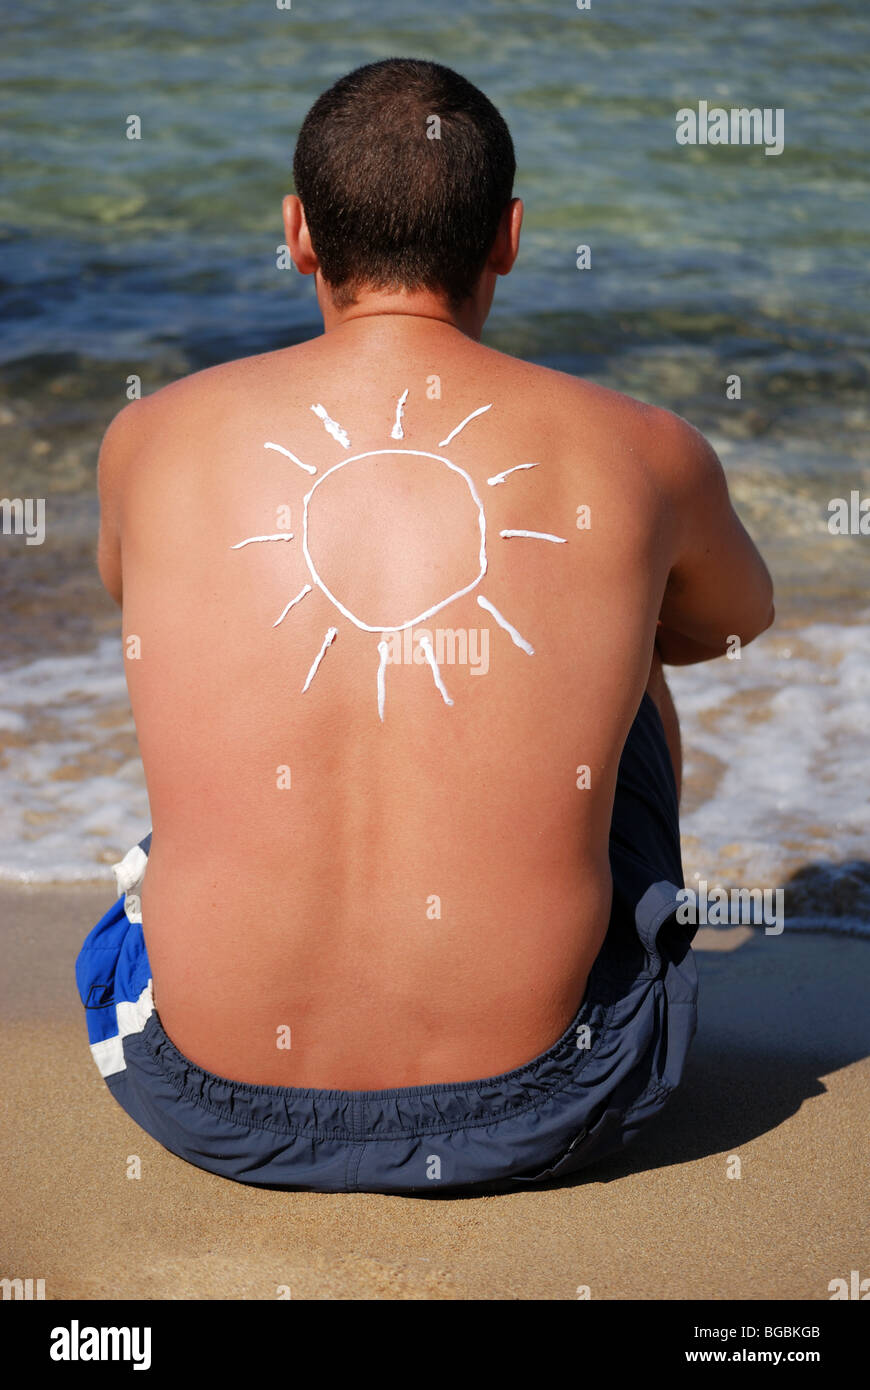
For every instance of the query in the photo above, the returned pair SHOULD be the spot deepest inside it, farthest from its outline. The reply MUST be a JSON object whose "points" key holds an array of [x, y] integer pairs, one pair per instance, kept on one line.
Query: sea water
{"points": [[159, 256]]}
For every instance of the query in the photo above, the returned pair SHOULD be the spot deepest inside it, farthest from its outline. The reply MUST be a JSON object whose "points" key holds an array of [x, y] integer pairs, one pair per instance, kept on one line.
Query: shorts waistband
{"points": [[575, 1059]]}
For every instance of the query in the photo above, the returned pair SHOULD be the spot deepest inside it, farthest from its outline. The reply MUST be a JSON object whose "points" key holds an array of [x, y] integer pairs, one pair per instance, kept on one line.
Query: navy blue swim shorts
{"points": [[585, 1097]]}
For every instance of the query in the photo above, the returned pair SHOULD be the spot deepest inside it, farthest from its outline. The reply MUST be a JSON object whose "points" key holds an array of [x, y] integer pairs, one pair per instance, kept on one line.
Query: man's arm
{"points": [[115, 448], [719, 586]]}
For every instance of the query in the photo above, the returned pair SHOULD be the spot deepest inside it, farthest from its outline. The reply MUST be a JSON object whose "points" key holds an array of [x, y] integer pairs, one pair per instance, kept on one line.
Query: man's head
{"points": [[405, 172]]}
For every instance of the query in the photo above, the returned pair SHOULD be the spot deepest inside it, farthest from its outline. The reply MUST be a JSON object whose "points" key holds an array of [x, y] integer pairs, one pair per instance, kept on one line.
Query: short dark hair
{"points": [[389, 206]]}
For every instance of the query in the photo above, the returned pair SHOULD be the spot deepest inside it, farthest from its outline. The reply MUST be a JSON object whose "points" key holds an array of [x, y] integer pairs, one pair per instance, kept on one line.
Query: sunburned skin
{"points": [[416, 889], [341, 435]]}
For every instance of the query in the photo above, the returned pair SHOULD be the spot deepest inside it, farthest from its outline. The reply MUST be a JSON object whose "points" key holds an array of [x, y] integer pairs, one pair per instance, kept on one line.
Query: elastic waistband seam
{"points": [[557, 1052], [292, 1131]]}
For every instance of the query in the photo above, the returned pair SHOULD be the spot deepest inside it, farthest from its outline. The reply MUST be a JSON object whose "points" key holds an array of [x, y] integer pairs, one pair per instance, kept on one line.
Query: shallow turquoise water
{"points": [[158, 257], [159, 254]]}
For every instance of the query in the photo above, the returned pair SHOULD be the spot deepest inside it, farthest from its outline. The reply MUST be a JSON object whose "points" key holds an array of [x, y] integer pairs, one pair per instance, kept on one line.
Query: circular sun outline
{"points": [[429, 612], [334, 429]]}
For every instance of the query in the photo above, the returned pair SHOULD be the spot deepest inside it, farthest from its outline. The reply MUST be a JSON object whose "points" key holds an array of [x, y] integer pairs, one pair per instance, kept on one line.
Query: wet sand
{"points": [[778, 1078]]}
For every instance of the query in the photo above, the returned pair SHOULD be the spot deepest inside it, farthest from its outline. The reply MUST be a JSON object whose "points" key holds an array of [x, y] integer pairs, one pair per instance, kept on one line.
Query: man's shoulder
{"points": [[210, 384], [659, 438], [582, 394], [203, 397]]}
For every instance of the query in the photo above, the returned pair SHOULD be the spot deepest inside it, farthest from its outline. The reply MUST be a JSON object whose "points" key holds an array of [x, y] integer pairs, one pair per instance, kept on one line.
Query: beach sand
{"points": [[777, 1077]]}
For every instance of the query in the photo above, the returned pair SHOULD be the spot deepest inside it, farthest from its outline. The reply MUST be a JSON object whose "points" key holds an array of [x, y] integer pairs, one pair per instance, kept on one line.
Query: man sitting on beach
{"points": [[408, 918]]}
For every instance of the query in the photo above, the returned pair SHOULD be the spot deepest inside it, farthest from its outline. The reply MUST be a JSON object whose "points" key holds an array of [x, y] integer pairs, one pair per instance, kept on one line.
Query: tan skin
{"points": [[422, 899]]}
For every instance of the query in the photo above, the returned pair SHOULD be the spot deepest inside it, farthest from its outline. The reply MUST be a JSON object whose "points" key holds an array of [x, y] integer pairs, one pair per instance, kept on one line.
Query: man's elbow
{"points": [[109, 570], [756, 628]]}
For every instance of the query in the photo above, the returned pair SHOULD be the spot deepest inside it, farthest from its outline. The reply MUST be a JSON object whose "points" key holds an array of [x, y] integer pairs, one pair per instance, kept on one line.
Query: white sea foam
{"points": [[57, 715], [782, 736], [777, 743]]}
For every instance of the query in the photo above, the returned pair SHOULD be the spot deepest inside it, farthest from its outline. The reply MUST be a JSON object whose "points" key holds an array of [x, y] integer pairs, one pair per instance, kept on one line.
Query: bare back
{"points": [[417, 897]]}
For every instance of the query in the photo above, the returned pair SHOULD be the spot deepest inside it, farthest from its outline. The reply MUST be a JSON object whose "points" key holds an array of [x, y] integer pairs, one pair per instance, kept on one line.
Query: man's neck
{"points": [[468, 319]]}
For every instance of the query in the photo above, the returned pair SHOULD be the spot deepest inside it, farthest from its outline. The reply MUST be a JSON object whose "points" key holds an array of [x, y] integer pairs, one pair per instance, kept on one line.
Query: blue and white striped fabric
{"points": [[113, 973]]}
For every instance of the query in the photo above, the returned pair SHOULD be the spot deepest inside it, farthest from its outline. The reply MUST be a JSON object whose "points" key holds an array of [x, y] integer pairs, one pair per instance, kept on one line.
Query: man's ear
{"points": [[507, 238], [297, 235]]}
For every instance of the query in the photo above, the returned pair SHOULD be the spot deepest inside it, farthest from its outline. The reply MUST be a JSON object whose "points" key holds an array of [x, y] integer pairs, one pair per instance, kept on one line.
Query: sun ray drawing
{"points": [[279, 449], [478, 563], [292, 604], [535, 536], [497, 477], [327, 642], [397, 432], [251, 540], [481, 410]]}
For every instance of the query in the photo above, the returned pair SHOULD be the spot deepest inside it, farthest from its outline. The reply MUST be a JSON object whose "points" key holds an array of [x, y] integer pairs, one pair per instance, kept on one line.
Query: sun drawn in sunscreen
{"points": [[477, 567]]}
